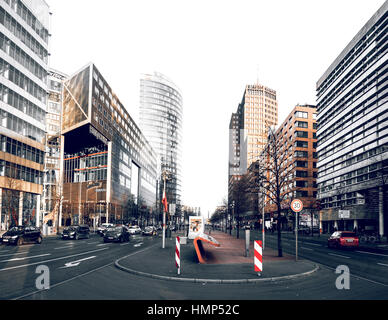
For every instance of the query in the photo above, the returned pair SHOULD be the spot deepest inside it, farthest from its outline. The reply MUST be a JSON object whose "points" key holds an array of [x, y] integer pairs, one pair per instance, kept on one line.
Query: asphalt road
{"points": [[84, 269], [67, 260], [370, 264]]}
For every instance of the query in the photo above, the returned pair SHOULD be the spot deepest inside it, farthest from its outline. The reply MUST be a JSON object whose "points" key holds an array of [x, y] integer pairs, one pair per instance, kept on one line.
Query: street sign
{"points": [[297, 205], [344, 214]]}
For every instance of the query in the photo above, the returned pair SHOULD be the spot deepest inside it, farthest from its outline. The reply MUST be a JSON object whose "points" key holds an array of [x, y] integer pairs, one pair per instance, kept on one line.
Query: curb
{"points": [[218, 281]]}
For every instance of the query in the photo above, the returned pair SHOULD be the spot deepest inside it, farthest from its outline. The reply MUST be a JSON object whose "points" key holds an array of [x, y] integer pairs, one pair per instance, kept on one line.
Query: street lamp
{"points": [[166, 176]]}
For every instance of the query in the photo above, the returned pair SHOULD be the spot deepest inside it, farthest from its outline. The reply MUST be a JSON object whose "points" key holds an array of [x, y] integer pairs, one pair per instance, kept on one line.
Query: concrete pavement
{"points": [[226, 264]]}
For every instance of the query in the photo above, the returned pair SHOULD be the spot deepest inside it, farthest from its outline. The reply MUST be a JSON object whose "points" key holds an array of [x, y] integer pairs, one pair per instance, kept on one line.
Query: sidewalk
{"points": [[226, 264]]}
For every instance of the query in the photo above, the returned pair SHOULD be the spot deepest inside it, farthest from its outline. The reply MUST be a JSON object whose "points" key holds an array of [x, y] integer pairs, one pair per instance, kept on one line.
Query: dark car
{"points": [[149, 231], [22, 234], [76, 232], [117, 234], [343, 239]]}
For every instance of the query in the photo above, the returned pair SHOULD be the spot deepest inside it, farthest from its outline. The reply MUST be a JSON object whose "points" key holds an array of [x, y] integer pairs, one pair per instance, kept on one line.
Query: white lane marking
{"points": [[56, 259], [14, 254], [138, 244], [124, 244], [75, 263], [307, 248], [382, 264], [92, 242], [338, 255], [102, 244], [24, 258], [83, 274], [356, 276], [66, 247], [313, 244], [375, 254]]}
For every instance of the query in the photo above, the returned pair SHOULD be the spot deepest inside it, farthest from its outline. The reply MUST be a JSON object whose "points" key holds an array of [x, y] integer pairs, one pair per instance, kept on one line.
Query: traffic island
{"points": [[222, 266]]}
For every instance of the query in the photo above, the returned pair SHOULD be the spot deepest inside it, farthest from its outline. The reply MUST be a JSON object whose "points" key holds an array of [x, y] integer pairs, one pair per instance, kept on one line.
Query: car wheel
{"points": [[20, 241], [39, 240]]}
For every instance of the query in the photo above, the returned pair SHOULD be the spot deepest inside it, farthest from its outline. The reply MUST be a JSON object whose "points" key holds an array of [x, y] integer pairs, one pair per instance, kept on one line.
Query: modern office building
{"points": [[248, 129], [24, 37], [51, 179], [107, 162], [297, 139], [161, 123], [353, 132]]}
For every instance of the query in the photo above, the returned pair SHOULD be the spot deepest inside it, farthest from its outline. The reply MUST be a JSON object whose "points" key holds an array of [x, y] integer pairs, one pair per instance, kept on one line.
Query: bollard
{"points": [[247, 241], [178, 255], [258, 259]]}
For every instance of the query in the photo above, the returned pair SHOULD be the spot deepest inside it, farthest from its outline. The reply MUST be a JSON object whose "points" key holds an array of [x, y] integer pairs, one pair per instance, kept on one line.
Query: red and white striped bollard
{"points": [[258, 259], [178, 254]]}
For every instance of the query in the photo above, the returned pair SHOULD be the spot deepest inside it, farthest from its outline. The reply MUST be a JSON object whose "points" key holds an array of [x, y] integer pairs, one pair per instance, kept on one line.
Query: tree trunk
{"points": [[280, 250], [238, 226]]}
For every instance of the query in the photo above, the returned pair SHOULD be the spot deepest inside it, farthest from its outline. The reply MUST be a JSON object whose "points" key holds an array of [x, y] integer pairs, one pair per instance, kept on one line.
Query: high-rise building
{"points": [[297, 141], [24, 37], [108, 165], [353, 132], [51, 179], [248, 128], [161, 123]]}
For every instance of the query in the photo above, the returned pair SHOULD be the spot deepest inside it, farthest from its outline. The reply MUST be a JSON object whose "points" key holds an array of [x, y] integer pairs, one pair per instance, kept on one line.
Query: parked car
{"points": [[150, 231], [22, 234], [102, 228], [116, 234], [343, 239], [76, 232], [134, 230]]}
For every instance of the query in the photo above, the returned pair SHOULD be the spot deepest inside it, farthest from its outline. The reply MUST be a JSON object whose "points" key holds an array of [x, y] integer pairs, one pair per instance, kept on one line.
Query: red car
{"points": [[343, 239]]}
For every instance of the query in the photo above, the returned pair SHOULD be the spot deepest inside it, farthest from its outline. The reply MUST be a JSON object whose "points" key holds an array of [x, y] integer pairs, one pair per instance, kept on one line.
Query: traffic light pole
{"points": [[164, 215]]}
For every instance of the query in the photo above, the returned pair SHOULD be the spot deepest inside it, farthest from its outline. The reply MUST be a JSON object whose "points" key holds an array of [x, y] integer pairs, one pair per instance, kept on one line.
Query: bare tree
{"points": [[239, 195], [275, 177], [11, 186]]}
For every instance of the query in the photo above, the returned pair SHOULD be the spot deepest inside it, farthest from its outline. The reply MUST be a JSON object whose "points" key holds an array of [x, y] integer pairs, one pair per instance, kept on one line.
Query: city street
{"points": [[85, 269], [67, 260]]}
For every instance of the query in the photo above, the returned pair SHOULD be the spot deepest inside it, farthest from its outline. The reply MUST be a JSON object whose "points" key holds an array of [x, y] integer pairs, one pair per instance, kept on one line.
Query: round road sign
{"points": [[297, 205]]}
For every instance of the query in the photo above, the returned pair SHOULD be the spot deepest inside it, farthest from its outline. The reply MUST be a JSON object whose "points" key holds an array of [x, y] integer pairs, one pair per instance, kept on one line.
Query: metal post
{"points": [[296, 236], [263, 226], [164, 216], [247, 241]]}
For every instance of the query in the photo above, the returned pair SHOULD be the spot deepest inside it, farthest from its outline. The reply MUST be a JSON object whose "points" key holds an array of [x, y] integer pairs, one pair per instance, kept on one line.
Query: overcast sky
{"points": [[210, 49]]}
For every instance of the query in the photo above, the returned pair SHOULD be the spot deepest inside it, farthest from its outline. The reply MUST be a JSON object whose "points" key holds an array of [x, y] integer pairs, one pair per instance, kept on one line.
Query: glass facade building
{"points": [[24, 36], [107, 161], [161, 122], [51, 178], [352, 97]]}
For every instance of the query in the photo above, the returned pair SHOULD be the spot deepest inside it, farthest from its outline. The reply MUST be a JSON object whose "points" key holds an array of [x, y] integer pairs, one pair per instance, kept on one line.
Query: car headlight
{"points": [[72, 233], [14, 237]]}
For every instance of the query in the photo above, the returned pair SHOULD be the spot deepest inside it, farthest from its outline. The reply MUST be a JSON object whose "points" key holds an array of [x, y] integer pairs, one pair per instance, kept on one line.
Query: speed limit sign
{"points": [[297, 205]]}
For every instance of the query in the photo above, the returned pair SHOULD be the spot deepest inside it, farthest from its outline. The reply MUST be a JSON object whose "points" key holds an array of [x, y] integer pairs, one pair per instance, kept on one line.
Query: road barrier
{"points": [[258, 260], [178, 254]]}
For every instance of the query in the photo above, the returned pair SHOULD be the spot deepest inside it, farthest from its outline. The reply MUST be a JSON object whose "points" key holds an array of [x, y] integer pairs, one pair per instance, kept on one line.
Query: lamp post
{"points": [[165, 175]]}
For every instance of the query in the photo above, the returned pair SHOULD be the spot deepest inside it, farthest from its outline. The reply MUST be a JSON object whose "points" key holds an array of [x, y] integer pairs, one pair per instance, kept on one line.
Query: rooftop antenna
{"points": [[257, 74]]}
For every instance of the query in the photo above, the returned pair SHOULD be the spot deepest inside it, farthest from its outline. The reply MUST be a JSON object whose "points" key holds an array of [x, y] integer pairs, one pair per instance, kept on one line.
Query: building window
{"points": [[301, 114], [301, 134], [301, 124], [301, 164]]}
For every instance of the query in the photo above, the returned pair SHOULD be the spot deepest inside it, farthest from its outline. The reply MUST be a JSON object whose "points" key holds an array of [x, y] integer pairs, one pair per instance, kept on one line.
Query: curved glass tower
{"points": [[161, 123]]}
